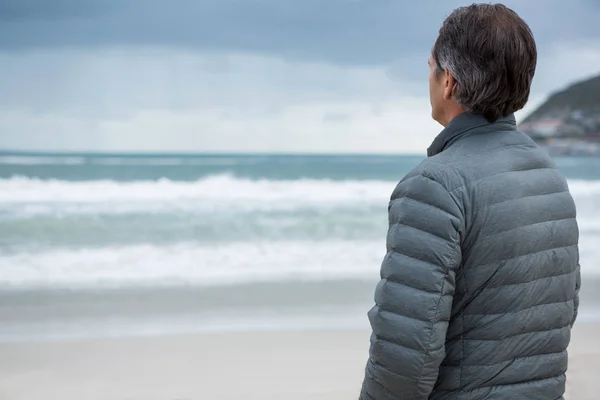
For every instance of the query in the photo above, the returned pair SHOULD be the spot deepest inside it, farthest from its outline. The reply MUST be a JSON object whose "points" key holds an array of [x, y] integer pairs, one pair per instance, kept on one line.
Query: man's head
{"points": [[483, 61]]}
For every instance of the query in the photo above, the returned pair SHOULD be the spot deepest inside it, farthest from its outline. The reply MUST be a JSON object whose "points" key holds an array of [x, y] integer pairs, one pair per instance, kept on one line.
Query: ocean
{"points": [[118, 245]]}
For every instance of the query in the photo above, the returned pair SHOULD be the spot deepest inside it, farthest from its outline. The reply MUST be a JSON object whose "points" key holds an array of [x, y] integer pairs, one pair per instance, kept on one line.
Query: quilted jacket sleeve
{"points": [[413, 300], [576, 298]]}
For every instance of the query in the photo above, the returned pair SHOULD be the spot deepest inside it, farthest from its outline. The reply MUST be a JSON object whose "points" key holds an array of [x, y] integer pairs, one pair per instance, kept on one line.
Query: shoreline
{"points": [[294, 365], [68, 315]]}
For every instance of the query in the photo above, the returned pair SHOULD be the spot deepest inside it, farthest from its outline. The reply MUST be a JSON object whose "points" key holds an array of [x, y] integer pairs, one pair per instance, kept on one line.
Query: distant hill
{"points": [[584, 96], [569, 121]]}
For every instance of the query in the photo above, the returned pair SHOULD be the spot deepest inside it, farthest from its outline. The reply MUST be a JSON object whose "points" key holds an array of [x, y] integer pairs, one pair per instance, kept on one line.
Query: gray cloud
{"points": [[208, 74], [339, 31], [58, 10]]}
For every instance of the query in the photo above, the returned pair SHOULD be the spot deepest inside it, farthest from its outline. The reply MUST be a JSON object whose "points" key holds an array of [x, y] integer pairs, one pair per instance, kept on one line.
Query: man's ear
{"points": [[449, 84]]}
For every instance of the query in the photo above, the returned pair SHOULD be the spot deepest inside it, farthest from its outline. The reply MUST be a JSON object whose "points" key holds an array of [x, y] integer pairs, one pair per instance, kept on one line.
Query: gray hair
{"points": [[491, 53]]}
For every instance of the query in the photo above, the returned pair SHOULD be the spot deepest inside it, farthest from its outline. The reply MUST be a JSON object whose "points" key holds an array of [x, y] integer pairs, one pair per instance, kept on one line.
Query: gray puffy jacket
{"points": [[479, 286]]}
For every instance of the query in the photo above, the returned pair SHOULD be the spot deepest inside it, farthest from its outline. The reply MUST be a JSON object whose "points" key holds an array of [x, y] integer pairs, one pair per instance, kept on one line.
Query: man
{"points": [[480, 283]]}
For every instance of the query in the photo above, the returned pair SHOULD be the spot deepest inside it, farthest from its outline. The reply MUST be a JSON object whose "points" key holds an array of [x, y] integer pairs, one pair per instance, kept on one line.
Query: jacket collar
{"points": [[464, 123]]}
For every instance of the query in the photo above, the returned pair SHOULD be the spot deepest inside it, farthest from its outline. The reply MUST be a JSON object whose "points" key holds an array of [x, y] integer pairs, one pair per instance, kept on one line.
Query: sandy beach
{"points": [[274, 365]]}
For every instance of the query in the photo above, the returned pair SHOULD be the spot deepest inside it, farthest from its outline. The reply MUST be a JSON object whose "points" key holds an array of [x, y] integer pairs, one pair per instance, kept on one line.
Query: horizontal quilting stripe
{"points": [[528, 268], [429, 339], [521, 297], [538, 389], [500, 235], [484, 179], [426, 204], [485, 141], [522, 241], [548, 271], [531, 211], [449, 388], [486, 352], [513, 159], [539, 191], [493, 264], [423, 230], [412, 303], [517, 370], [499, 326], [543, 388], [433, 286], [541, 382], [418, 274], [394, 356], [424, 190], [420, 245], [491, 189], [404, 331], [523, 309], [422, 216], [521, 335]]}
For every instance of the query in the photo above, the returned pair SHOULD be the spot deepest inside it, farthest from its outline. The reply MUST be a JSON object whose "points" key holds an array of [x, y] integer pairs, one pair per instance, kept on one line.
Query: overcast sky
{"points": [[246, 75]]}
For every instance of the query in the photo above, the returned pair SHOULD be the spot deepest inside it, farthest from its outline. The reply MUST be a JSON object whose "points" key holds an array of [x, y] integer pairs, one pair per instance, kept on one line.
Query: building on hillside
{"points": [[547, 127]]}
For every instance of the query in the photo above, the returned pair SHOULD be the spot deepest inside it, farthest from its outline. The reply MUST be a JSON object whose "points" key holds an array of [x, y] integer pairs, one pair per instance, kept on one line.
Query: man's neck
{"points": [[450, 114]]}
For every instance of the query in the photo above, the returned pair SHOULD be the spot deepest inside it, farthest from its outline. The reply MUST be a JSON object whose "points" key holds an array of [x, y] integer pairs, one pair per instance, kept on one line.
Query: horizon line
{"points": [[44, 153]]}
